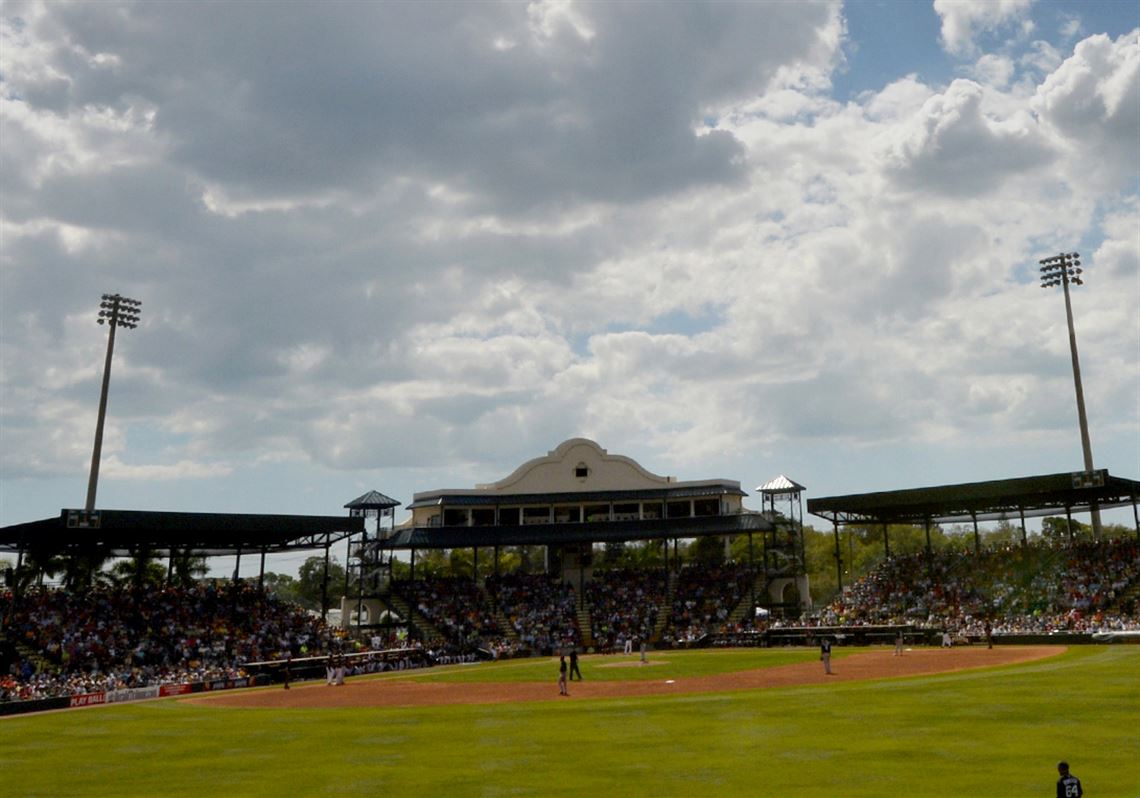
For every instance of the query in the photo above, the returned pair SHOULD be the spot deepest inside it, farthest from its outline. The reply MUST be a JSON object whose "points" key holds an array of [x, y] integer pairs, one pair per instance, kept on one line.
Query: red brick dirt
{"points": [[403, 691]]}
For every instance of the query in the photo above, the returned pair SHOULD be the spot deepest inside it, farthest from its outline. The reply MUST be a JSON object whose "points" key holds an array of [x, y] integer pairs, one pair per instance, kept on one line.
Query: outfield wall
{"points": [[128, 694]]}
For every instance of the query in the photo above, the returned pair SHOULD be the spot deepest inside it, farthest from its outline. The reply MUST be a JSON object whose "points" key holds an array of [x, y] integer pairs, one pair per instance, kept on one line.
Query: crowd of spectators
{"points": [[703, 598], [1040, 588], [540, 608], [456, 606], [624, 605], [110, 638]]}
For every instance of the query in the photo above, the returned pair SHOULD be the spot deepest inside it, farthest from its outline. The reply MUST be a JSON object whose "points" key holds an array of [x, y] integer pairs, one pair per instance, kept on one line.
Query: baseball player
{"points": [[1068, 786], [825, 654], [562, 677]]}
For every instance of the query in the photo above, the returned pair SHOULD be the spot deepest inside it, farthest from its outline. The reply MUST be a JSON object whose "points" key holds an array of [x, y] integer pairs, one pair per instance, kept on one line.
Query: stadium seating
{"points": [[703, 598], [1039, 588], [456, 606], [539, 608], [60, 643], [624, 605], [110, 638]]}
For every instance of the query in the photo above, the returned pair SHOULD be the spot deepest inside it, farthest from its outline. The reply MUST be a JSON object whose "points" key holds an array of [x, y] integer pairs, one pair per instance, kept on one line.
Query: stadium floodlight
{"points": [[1062, 270], [115, 311]]}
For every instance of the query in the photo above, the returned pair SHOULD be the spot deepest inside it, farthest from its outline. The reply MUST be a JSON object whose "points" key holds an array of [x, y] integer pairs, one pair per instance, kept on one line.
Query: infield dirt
{"points": [[406, 692]]}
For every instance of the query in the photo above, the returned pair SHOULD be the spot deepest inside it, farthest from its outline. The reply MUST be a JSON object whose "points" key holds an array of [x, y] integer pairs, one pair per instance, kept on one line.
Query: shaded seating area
{"points": [[704, 597], [457, 607], [624, 604], [1084, 586], [540, 608]]}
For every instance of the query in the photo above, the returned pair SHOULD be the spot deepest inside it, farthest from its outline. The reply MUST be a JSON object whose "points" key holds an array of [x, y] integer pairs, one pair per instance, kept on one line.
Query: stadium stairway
{"points": [[665, 609], [585, 629], [505, 626], [662, 620], [744, 606], [426, 628], [1129, 596], [43, 665]]}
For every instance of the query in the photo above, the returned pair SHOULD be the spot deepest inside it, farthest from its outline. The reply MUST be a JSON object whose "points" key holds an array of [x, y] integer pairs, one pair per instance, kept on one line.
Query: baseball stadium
{"points": [[585, 624]]}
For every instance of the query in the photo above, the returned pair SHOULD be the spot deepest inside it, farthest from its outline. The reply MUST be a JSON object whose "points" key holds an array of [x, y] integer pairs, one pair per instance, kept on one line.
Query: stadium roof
{"points": [[452, 537], [982, 501], [372, 500], [781, 484], [205, 533]]}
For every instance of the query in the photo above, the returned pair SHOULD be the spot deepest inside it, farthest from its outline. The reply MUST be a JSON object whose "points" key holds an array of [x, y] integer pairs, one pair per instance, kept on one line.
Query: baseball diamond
{"points": [[415, 689]]}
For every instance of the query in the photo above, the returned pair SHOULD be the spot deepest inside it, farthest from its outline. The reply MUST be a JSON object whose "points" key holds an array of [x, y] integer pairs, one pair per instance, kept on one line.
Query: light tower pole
{"points": [[1061, 270], [115, 311]]}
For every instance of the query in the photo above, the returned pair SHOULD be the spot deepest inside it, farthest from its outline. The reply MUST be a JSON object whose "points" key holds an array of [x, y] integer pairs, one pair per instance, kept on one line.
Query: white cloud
{"points": [[113, 468], [953, 146], [962, 20], [993, 70], [1092, 101]]}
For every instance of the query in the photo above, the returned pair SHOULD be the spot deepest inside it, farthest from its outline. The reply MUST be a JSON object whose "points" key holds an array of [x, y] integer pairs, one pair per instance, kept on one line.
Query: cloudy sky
{"points": [[409, 246]]}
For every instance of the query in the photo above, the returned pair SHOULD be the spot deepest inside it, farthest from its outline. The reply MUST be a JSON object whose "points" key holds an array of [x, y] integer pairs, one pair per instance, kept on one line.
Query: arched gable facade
{"points": [[576, 465]]}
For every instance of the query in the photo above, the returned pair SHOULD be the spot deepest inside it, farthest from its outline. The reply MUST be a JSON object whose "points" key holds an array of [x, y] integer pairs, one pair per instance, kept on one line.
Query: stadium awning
{"points": [[982, 501], [205, 533]]}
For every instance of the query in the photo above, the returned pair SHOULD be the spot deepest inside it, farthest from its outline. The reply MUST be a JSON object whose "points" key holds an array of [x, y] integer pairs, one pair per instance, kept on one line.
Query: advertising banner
{"points": [[87, 699]]}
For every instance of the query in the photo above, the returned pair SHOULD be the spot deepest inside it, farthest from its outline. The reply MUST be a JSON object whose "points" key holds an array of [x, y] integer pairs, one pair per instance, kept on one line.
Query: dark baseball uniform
{"points": [[1069, 786]]}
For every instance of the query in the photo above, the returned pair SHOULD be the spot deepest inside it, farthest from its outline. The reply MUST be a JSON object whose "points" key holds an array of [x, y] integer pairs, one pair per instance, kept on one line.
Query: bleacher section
{"points": [[624, 605], [1040, 588]]}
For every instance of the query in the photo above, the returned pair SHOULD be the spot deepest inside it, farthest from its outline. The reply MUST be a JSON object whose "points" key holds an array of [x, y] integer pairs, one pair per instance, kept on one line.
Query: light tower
{"points": [[1062, 270], [116, 311]]}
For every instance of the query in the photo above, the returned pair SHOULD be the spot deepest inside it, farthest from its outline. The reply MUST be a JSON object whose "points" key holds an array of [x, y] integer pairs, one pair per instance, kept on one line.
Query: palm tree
{"points": [[82, 565], [188, 566], [140, 569], [43, 560]]}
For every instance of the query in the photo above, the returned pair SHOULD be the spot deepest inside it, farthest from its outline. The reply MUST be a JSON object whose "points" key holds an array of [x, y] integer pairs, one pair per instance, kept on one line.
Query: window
{"points": [[581, 471], [704, 507]]}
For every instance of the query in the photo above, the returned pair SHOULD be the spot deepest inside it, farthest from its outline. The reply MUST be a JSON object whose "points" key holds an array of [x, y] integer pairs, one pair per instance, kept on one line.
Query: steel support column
{"points": [[325, 584], [838, 559]]}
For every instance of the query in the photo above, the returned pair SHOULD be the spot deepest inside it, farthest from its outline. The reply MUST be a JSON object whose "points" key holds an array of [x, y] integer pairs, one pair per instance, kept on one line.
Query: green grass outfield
{"points": [[996, 732]]}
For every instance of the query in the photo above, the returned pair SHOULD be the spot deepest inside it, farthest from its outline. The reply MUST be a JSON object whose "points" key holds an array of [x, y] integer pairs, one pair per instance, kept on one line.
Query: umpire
{"points": [[574, 669]]}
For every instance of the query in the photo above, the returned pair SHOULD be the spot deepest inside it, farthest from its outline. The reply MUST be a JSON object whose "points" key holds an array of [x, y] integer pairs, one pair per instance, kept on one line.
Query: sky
{"points": [[409, 246]]}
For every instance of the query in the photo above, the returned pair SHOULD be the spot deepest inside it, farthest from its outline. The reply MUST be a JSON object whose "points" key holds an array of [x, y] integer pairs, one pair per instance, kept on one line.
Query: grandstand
{"points": [[572, 500], [1042, 588]]}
